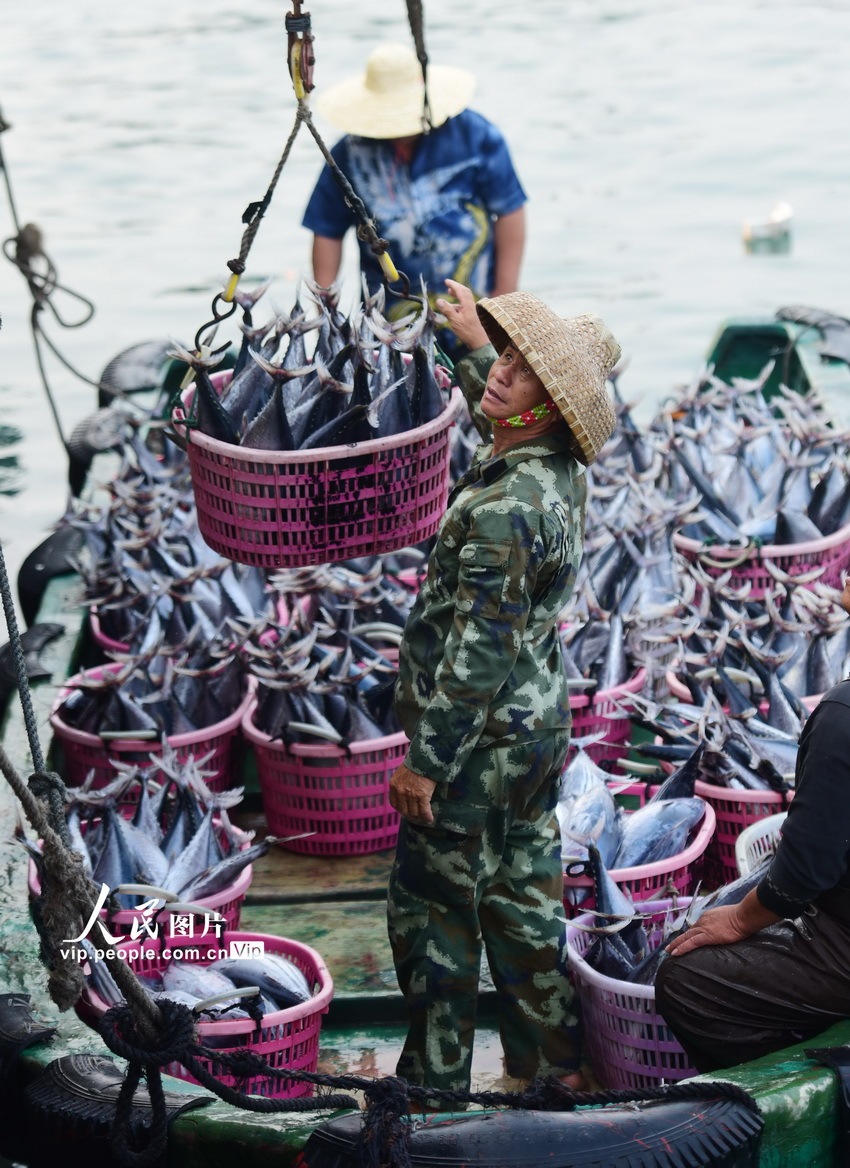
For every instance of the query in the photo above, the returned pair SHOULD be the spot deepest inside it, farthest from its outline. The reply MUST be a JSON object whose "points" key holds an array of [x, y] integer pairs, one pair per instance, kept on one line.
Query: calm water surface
{"points": [[645, 132]]}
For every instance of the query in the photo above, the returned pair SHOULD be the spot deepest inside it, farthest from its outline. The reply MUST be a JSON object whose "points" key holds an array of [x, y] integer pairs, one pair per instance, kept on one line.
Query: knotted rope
{"points": [[25, 249]]}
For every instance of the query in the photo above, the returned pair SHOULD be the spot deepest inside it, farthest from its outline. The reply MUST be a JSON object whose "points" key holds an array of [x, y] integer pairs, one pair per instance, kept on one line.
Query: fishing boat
{"points": [[337, 905], [807, 349]]}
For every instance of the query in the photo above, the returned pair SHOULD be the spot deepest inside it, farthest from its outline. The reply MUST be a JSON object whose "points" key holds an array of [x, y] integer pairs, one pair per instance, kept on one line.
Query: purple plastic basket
{"points": [[629, 1043], [681, 872], [595, 713], [286, 1039]]}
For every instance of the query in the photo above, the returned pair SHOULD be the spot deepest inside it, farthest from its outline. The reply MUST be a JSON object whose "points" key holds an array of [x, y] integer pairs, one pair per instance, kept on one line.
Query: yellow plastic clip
{"points": [[295, 70], [230, 291], [389, 268]]}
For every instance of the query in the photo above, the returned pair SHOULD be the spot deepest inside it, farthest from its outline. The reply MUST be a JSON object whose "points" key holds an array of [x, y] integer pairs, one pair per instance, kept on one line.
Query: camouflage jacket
{"points": [[480, 660]]}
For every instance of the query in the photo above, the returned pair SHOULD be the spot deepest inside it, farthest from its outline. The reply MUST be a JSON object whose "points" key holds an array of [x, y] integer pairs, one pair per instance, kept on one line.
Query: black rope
{"points": [[20, 666], [44, 784], [416, 19], [366, 230], [26, 251], [254, 212]]}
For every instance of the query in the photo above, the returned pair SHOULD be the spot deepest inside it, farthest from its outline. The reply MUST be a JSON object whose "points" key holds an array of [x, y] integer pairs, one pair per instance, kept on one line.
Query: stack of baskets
{"points": [[289, 509], [630, 1045]]}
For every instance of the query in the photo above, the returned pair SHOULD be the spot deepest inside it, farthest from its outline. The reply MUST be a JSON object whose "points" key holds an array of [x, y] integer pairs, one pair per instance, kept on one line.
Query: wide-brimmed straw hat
{"points": [[572, 356], [387, 100]]}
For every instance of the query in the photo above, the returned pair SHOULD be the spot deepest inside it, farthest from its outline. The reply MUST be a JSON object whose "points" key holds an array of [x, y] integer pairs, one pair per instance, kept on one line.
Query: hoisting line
{"points": [[24, 250]]}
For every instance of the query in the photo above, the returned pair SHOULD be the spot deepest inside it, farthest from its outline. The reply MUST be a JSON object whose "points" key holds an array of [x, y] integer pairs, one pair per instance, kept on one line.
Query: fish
{"points": [[335, 395], [657, 831], [184, 845], [276, 976], [622, 942]]}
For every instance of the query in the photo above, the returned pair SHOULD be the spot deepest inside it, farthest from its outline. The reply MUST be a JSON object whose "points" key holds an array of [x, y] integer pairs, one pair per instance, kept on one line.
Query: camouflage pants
{"points": [[488, 871]]}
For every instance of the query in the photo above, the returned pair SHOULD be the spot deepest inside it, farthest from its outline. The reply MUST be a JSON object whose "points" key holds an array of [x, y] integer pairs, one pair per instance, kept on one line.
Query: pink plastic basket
{"points": [[101, 639], [646, 881], [629, 1043], [734, 811], [286, 1039], [597, 712], [340, 795], [83, 752], [228, 903], [747, 565], [287, 508]]}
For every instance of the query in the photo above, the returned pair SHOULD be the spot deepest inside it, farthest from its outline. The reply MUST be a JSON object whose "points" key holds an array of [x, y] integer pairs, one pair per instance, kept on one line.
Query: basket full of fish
{"points": [[179, 849], [773, 477], [648, 852], [252, 991], [299, 459], [129, 712], [614, 954], [629, 1044], [321, 723]]}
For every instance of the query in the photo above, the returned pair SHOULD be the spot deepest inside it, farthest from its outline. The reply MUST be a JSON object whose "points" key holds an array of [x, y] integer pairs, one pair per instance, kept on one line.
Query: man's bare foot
{"points": [[576, 1081]]}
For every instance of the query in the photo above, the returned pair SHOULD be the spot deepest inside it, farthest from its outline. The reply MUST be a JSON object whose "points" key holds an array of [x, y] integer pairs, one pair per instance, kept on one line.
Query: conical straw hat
{"points": [[387, 100], [572, 357]]}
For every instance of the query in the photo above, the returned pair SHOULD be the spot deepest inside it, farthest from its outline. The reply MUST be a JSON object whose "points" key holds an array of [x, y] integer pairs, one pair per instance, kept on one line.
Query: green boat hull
{"points": [[743, 346]]}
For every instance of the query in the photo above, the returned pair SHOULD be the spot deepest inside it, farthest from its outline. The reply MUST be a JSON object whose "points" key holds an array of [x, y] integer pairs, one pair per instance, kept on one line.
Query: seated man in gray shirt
{"points": [[774, 970]]}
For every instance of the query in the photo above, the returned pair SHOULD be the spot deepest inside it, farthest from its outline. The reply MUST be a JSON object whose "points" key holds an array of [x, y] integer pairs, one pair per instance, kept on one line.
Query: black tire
{"points": [[660, 1134]]}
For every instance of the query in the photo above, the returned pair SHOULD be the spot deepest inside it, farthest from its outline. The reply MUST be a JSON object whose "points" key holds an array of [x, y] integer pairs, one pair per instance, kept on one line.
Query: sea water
{"points": [[645, 132]]}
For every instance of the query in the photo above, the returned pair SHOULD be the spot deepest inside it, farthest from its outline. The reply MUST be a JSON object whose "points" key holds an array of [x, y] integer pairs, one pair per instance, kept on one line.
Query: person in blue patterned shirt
{"points": [[448, 202]]}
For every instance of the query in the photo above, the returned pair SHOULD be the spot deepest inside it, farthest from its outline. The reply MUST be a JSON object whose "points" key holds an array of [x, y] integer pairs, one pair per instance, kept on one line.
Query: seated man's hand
{"points": [[410, 795], [716, 926]]}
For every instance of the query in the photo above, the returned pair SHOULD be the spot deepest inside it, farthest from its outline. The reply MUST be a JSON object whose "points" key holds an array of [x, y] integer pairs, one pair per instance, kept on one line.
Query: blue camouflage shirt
{"points": [[436, 212], [480, 660]]}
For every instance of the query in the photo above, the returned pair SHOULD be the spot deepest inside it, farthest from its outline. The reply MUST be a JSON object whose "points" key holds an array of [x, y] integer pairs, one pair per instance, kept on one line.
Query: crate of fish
{"points": [[735, 810], [94, 714], [348, 495], [629, 1043], [180, 850], [601, 713], [340, 794], [651, 830], [281, 1024], [748, 565]]}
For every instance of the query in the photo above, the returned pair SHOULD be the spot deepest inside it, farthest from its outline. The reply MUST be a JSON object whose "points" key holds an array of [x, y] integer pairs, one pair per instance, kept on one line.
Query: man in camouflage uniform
{"points": [[482, 696]]}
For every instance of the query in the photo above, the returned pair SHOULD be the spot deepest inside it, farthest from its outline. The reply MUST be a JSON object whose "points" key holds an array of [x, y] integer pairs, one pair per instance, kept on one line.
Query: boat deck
{"points": [[337, 906]]}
